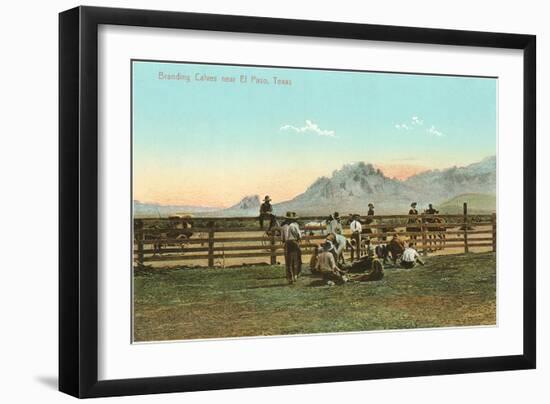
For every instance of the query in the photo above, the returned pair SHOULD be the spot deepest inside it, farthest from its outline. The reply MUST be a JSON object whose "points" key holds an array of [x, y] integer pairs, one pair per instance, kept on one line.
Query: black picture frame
{"points": [[78, 196]]}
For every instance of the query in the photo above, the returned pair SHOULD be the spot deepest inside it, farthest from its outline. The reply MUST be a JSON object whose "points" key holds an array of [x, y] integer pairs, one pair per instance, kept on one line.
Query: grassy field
{"points": [[451, 290], [477, 203]]}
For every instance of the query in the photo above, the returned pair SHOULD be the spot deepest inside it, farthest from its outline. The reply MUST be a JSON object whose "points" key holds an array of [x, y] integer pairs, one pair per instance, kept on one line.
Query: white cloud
{"points": [[417, 121], [434, 131], [310, 127]]}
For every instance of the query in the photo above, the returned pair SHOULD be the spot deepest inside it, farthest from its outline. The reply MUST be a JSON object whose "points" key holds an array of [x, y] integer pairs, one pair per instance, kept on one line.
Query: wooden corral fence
{"points": [[218, 241]]}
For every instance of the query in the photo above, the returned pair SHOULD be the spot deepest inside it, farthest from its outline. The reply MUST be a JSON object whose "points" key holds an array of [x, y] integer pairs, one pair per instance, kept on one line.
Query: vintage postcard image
{"points": [[272, 201]]}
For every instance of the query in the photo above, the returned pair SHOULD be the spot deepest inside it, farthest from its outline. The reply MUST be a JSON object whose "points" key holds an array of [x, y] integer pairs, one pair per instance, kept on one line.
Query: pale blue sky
{"points": [[247, 138]]}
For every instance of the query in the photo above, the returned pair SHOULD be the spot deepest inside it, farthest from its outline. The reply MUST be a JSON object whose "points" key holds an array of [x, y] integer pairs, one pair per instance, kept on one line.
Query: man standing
{"points": [[334, 225], [370, 213], [412, 220], [356, 229], [410, 257], [291, 235], [412, 210], [266, 212], [369, 219], [326, 266]]}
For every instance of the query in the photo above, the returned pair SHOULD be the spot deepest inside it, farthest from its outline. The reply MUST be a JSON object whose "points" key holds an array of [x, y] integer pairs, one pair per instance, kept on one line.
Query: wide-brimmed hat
{"points": [[371, 205], [267, 198], [327, 245], [355, 216], [413, 204], [291, 215]]}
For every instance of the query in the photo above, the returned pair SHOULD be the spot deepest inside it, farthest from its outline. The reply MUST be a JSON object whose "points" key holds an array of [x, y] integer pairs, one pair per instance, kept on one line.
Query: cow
{"points": [[394, 249], [313, 228]]}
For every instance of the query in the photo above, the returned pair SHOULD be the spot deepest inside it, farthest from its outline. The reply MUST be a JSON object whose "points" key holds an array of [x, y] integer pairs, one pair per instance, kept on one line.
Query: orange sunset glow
{"points": [[400, 171]]}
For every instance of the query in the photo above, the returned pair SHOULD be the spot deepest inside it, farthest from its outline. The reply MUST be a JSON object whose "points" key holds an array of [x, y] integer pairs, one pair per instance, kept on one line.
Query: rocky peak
{"points": [[248, 202]]}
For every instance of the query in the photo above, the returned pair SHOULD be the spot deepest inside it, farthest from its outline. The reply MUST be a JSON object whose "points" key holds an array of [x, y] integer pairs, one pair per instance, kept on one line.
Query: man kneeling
{"points": [[326, 265], [410, 257]]}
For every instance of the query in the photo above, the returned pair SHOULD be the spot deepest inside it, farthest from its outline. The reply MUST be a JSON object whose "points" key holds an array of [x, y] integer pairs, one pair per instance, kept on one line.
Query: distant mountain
{"points": [[444, 184], [248, 206], [248, 202], [350, 189], [156, 210], [477, 203]]}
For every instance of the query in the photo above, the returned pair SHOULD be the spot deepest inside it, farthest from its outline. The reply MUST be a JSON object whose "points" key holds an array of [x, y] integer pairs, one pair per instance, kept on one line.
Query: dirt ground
{"points": [[255, 300]]}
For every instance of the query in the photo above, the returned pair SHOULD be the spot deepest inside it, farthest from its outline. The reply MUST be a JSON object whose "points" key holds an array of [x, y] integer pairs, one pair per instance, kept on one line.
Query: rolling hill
{"points": [[477, 203], [142, 209]]}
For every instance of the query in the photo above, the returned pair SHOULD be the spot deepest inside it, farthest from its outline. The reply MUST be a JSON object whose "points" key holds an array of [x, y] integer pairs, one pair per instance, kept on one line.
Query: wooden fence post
{"points": [[273, 253], [211, 244], [139, 236], [494, 220], [424, 236], [465, 208]]}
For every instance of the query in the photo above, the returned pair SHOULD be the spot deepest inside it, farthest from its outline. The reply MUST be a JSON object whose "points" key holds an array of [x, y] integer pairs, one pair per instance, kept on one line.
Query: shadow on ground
{"points": [[48, 381]]}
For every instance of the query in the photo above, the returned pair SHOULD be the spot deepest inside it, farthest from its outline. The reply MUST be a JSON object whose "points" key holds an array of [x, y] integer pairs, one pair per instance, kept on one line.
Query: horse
{"points": [[411, 229], [275, 229], [436, 234], [158, 240]]}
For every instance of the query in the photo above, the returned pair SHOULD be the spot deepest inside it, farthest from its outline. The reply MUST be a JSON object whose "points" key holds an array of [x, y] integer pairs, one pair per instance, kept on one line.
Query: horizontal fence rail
{"points": [[217, 239]]}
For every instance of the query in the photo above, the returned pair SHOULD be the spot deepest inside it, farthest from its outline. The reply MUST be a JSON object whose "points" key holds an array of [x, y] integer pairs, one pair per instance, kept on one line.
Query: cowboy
{"points": [[413, 211], [334, 225], [318, 249], [326, 265], [431, 210], [382, 252], [369, 248], [339, 242], [291, 235], [370, 212], [266, 212], [356, 229], [410, 257], [369, 219], [396, 246]]}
